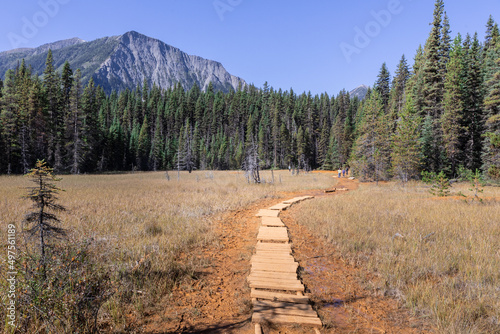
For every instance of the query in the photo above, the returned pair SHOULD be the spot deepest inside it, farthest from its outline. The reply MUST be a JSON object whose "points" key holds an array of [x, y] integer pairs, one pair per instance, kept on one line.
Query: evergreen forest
{"points": [[441, 113]]}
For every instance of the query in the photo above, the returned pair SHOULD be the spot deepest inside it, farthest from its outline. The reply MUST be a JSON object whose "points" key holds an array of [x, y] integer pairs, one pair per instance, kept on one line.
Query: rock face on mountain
{"points": [[359, 91], [121, 62]]}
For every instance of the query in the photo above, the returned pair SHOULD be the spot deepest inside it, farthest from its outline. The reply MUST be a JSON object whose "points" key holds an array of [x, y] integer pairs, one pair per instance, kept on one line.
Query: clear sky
{"points": [[318, 46]]}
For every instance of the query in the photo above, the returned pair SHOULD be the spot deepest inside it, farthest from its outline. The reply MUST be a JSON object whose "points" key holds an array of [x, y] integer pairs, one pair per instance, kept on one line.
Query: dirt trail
{"points": [[218, 299]]}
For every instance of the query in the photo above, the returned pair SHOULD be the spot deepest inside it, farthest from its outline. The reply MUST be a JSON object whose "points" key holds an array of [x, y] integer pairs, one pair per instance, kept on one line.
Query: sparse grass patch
{"points": [[137, 225], [440, 256]]}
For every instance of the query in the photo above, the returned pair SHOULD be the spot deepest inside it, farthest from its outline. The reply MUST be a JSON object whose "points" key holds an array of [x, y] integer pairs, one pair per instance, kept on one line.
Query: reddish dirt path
{"points": [[217, 300]]}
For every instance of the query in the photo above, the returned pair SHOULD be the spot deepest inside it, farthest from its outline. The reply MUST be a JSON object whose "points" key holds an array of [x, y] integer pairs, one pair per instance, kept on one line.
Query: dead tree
{"points": [[251, 162]]}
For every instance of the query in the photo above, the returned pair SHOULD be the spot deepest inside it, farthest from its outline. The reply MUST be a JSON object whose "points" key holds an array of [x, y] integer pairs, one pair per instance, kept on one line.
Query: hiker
{"points": [[340, 172], [343, 172], [347, 171]]}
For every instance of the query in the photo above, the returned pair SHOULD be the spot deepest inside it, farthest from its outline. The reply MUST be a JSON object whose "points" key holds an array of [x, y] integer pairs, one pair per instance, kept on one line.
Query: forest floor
{"points": [[217, 298]]}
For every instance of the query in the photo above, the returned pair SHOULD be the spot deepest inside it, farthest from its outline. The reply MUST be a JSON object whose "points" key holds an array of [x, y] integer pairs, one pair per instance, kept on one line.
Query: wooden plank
{"points": [[272, 221], [270, 274], [270, 246], [276, 281], [278, 296], [280, 206], [293, 200], [266, 229], [278, 255], [277, 231], [267, 213], [273, 238], [275, 253], [307, 197], [273, 233], [259, 317], [275, 285], [260, 259], [274, 304], [264, 306], [285, 268]]}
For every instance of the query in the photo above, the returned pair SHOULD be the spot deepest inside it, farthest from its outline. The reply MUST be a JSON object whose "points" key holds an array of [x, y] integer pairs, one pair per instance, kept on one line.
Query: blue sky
{"points": [[318, 46]]}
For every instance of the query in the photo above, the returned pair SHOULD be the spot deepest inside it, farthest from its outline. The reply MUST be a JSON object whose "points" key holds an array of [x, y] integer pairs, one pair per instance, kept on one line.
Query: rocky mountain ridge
{"points": [[125, 61]]}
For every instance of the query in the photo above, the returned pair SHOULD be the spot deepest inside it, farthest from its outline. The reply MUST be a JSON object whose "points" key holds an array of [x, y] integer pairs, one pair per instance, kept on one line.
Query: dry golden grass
{"points": [[440, 256], [141, 222]]}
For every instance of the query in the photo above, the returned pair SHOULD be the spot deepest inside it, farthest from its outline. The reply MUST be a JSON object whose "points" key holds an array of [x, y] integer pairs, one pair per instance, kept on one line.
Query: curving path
{"points": [[277, 293]]}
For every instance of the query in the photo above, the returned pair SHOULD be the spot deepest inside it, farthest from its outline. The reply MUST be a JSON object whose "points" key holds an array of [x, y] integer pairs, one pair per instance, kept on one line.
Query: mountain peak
{"points": [[125, 61], [359, 91]]}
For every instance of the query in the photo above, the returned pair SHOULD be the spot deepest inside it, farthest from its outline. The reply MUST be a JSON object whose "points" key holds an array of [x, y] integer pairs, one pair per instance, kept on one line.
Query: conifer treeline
{"points": [[81, 130], [442, 113]]}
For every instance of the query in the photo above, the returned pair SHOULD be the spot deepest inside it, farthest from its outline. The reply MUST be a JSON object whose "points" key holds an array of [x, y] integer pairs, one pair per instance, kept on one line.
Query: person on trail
{"points": [[347, 171], [340, 172], [343, 172]]}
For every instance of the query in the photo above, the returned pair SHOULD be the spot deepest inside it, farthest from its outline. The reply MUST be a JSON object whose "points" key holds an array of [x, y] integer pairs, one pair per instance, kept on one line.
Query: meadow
{"points": [[439, 255], [131, 229]]}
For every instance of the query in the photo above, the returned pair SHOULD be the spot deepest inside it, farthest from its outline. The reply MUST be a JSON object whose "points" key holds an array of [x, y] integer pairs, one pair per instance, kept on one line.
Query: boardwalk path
{"points": [[277, 293]]}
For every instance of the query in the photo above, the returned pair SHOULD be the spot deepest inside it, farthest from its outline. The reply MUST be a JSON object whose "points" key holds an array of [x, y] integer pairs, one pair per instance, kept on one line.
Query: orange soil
{"points": [[218, 300]]}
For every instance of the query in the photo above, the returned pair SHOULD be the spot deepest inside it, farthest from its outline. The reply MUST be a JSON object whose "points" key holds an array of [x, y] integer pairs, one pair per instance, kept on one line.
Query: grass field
{"points": [[439, 256], [136, 225]]}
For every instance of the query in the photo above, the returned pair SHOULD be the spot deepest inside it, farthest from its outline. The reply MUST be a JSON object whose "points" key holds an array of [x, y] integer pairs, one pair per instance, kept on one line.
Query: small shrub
{"points": [[441, 186], [428, 177]]}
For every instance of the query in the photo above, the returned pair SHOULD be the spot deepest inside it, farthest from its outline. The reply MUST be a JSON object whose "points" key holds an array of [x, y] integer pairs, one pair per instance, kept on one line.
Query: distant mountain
{"points": [[121, 62], [359, 91]]}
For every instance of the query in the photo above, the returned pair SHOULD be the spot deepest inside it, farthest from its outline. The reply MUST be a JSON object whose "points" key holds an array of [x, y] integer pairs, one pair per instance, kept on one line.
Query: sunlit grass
{"points": [[441, 256]]}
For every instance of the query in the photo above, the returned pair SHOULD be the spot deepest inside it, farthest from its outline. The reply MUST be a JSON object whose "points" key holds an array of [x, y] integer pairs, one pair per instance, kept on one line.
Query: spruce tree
{"points": [[9, 121], [491, 146], [406, 143], [41, 223], [75, 144], [399, 82], [473, 100], [451, 120], [382, 85]]}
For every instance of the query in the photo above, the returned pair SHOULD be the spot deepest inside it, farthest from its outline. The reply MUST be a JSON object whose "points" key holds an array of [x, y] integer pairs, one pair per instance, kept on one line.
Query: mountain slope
{"points": [[359, 91], [121, 62]]}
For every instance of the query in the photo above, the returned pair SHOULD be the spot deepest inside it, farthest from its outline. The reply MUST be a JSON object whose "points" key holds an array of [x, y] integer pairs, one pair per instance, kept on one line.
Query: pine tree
{"points": [[382, 85], [90, 134], [40, 222], [451, 120], [143, 146], [52, 87], [370, 158], [75, 145], [398, 89], [9, 121], [432, 67], [473, 100], [491, 146], [492, 34], [406, 143], [428, 153], [433, 85]]}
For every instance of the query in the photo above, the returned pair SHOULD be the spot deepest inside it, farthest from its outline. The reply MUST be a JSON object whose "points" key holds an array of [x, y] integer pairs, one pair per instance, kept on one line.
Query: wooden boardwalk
{"points": [[277, 293]]}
